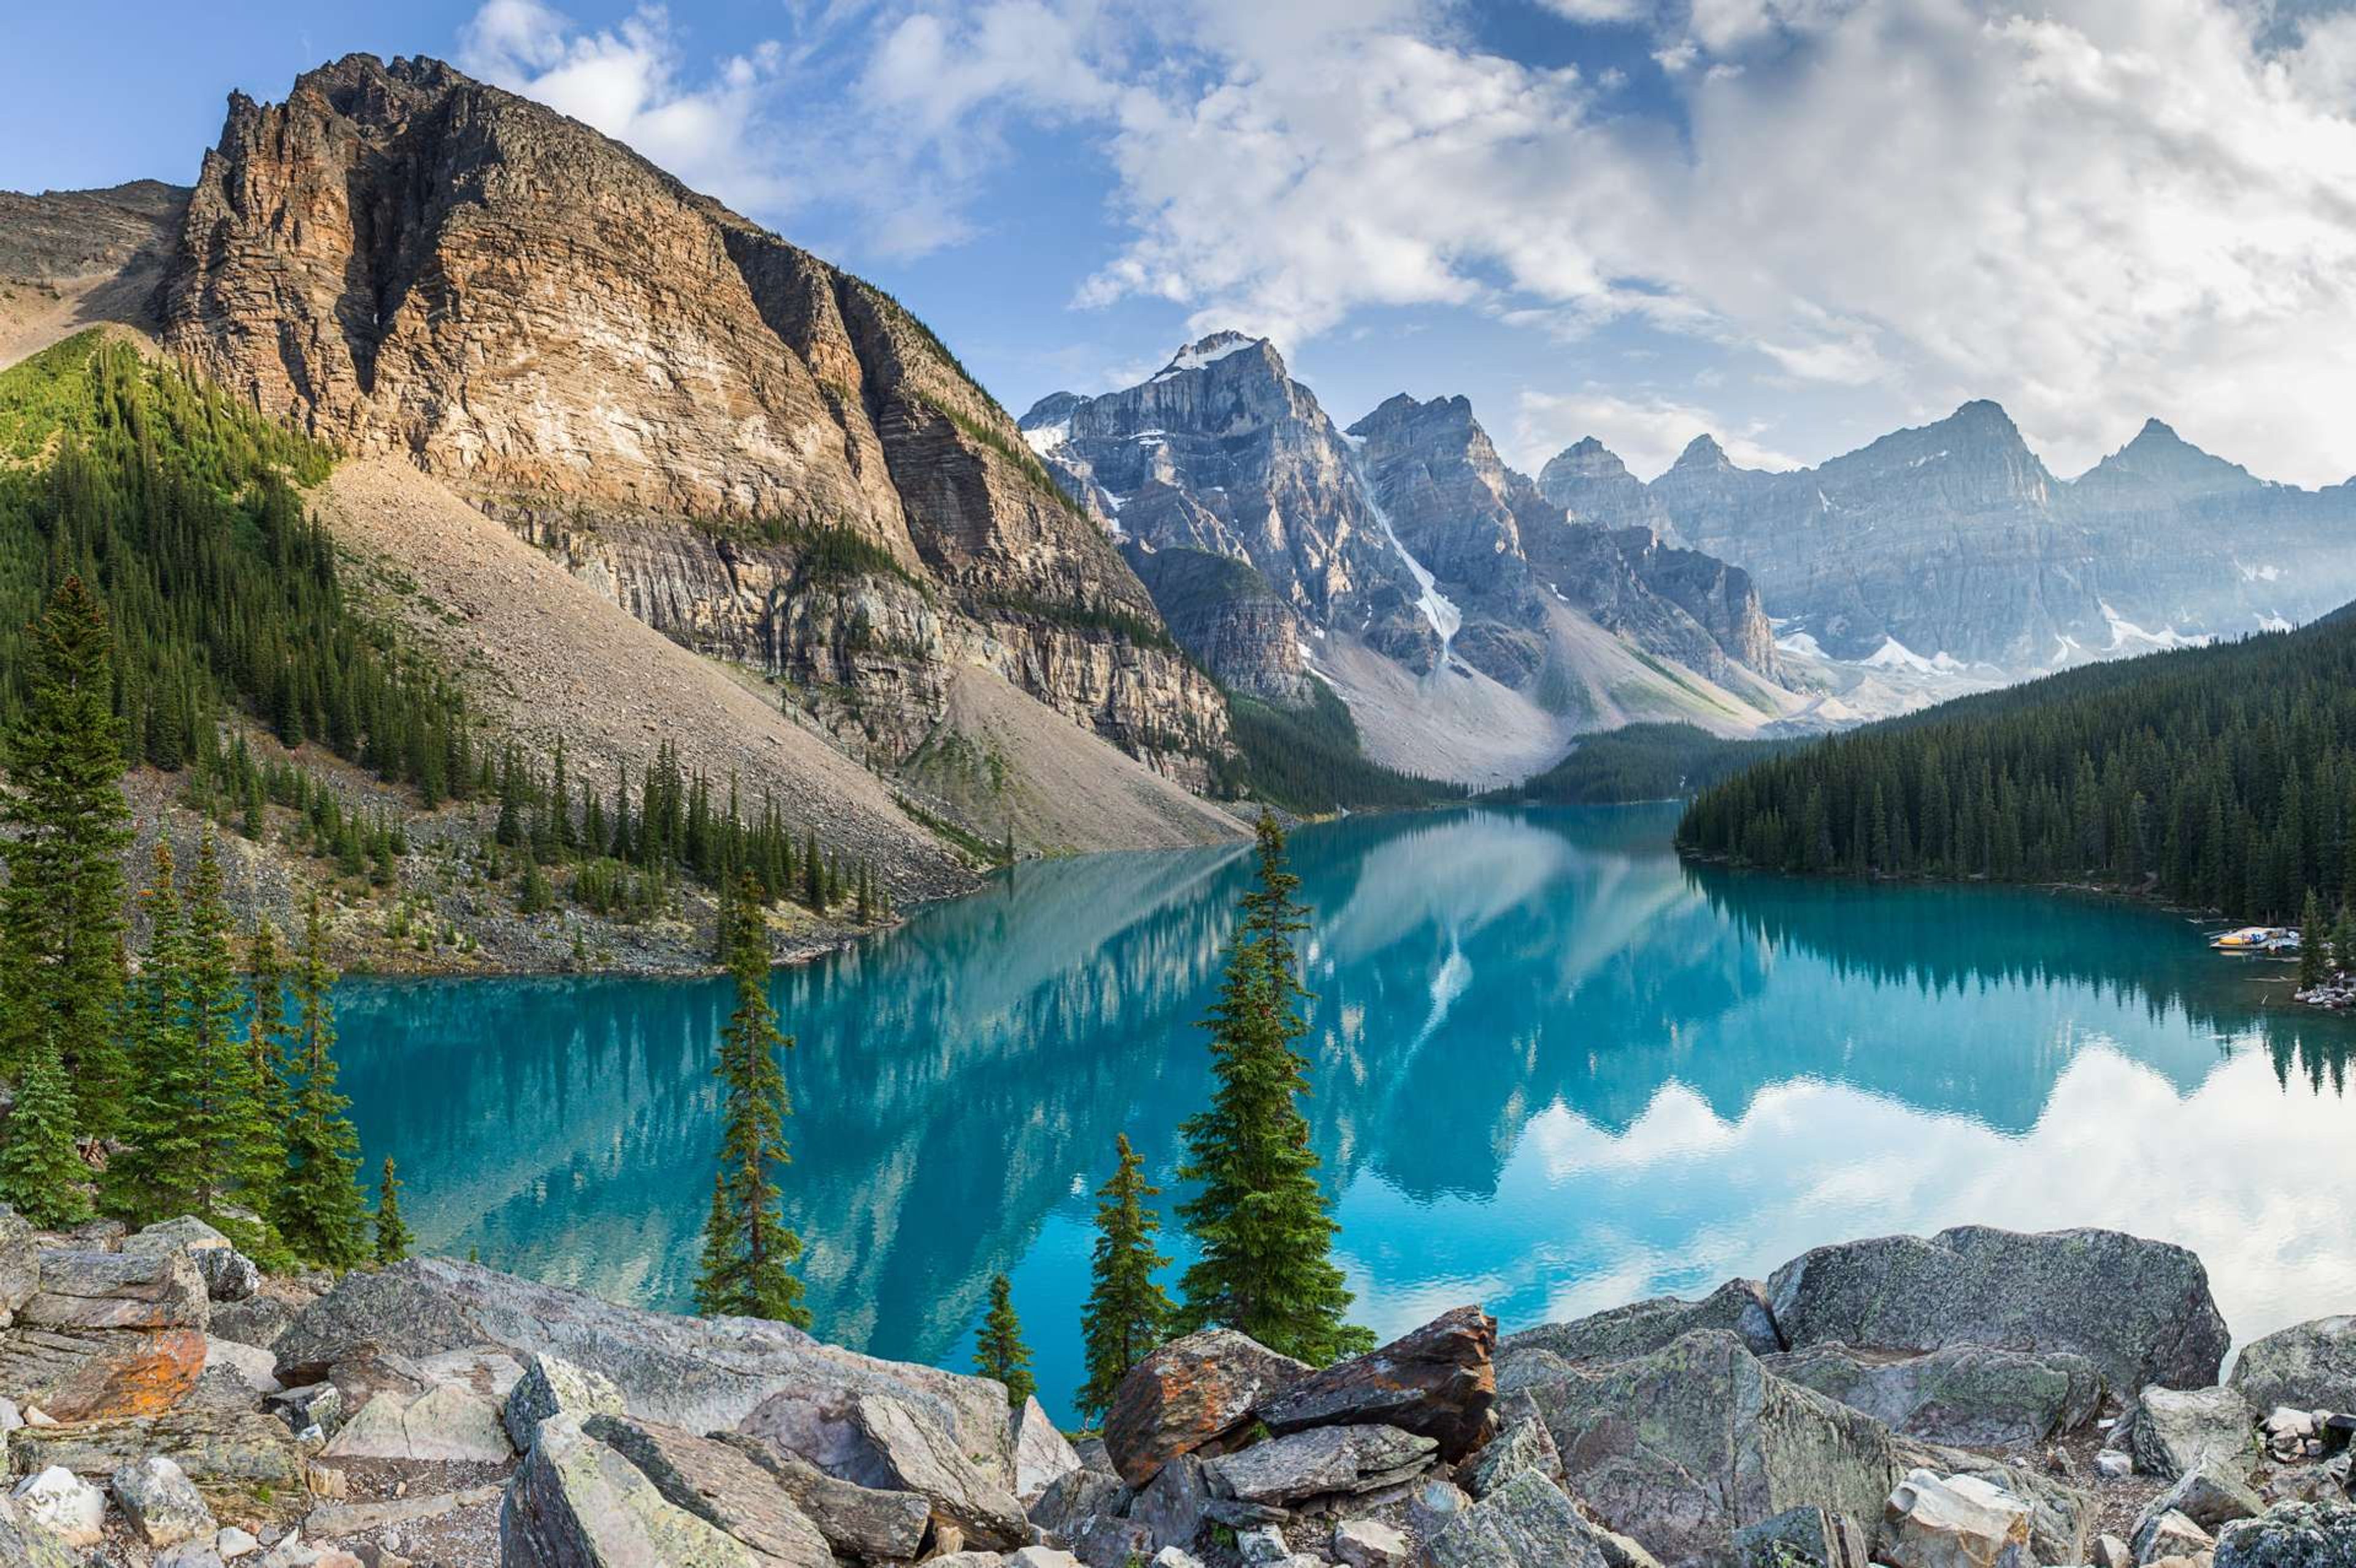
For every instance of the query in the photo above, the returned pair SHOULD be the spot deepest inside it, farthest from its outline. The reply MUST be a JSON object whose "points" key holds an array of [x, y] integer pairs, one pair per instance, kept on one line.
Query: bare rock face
{"points": [[753, 451], [1221, 451]]}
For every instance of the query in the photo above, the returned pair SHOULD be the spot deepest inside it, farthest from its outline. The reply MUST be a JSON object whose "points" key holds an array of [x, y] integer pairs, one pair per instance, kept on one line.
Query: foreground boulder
{"points": [[551, 1385], [694, 1373], [2295, 1535], [1191, 1396], [159, 1502], [720, 1485], [1682, 1448], [2309, 1366], [107, 1334], [1042, 1453], [1802, 1535], [1974, 1395], [1953, 1522], [1320, 1462], [856, 1521], [244, 1450], [2140, 1310], [2171, 1431], [1526, 1523], [24, 1544], [1438, 1380], [908, 1451], [1739, 1307], [576, 1503]]}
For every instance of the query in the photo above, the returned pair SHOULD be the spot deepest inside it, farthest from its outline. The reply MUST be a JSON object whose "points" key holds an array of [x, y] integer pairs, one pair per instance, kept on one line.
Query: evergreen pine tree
{"points": [[61, 927], [2313, 945], [393, 1237], [1128, 1313], [320, 1210], [1259, 1219], [41, 1174], [999, 1351], [154, 1176], [2343, 940], [748, 1250], [265, 1023], [228, 1117]]}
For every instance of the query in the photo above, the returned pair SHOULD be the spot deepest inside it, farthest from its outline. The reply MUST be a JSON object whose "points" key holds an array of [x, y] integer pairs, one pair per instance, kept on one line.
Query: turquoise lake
{"points": [[1555, 1069]]}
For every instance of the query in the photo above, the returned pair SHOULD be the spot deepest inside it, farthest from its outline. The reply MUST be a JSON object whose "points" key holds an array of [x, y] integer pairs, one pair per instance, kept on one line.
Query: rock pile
{"points": [[1905, 1403]]}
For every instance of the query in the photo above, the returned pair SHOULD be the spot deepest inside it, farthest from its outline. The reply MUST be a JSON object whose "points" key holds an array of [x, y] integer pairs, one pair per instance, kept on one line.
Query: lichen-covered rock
{"points": [[58, 1500], [2295, 1535], [1320, 1462], [1368, 1543], [161, 1504], [244, 1450], [1171, 1505], [1968, 1394], [2210, 1496], [551, 1385], [24, 1544], [720, 1485], [2167, 1533], [1641, 1328], [2309, 1366], [1680, 1448], [1954, 1521], [448, 1423], [696, 1373], [1526, 1523], [1803, 1538], [1190, 1396], [1524, 1445], [107, 1334], [1064, 1509], [575, 1503], [2171, 1431], [2140, 1310], [1437, 1380]]}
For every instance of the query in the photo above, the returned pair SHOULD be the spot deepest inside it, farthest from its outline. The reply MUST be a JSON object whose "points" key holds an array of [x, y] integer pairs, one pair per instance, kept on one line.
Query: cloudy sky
{"points": [[1792, 223]]}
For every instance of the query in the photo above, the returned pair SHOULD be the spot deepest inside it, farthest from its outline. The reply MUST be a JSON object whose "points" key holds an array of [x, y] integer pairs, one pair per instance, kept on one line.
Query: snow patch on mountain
{"points": [[2126, 634]]}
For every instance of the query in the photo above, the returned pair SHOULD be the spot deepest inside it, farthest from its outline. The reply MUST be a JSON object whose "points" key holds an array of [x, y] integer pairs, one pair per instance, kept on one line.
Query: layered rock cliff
{"points": [[752, 450]]}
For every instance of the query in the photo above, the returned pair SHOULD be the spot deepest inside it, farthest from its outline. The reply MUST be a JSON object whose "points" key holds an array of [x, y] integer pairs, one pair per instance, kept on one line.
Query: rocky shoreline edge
{"points": [[1976, 1399]]}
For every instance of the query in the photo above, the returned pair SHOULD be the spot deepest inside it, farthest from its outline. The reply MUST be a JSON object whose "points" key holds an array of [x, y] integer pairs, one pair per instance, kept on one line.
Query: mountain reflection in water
{"points": [[1554, 1070]]}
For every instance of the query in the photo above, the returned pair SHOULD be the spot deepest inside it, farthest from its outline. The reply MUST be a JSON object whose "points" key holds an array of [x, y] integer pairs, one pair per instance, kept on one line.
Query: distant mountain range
{"points": [[773, 463], [1953, 544], [1473, 624]]}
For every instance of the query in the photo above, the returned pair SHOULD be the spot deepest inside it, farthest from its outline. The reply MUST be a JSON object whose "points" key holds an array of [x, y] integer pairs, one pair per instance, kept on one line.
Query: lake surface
{"points": [[1555, 1069]]}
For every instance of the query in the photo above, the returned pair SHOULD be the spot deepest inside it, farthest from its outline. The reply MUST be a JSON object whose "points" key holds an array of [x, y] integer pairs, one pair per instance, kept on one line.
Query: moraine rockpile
{"points": [[1980, 1398]]}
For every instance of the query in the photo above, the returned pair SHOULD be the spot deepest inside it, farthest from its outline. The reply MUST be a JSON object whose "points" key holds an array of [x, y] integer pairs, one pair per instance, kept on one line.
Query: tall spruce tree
{"points": [[1128, 1313], [1259, 1219], [748, 1253], [61, 926], [239, 1153], [265, 1024], [393, 1239], [321, 1213], [999, 1351], [2314, 944], [41, 1172], [153, 1176]]}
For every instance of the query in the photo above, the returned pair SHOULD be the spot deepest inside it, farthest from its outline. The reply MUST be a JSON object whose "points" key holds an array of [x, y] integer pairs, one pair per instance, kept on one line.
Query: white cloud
{"points": [[2107, 210], [633, 81], [1647, 432], [2091, 210]]}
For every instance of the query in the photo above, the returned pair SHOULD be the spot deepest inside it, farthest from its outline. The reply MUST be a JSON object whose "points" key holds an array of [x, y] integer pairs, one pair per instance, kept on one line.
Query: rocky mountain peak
{"points": [[2158, 456], [1701, 454], [1586, 458], [421, 267], [1219, 348]]}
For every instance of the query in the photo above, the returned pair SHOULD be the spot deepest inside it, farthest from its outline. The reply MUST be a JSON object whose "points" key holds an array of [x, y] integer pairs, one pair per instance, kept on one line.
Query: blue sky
{"points": [[1792, 223]]}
